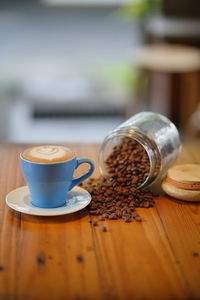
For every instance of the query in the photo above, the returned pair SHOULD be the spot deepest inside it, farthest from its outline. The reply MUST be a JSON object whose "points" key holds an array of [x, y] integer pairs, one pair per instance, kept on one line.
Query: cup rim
{"points": [[40, 163]]}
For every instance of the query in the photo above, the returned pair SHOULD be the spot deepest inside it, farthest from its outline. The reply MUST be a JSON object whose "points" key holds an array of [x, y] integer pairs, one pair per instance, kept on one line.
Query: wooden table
{"points": [[67, 258]]}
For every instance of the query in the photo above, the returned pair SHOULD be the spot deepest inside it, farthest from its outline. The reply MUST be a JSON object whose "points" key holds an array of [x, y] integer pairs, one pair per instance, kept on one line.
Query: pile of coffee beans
{"points": [[116, 196]]}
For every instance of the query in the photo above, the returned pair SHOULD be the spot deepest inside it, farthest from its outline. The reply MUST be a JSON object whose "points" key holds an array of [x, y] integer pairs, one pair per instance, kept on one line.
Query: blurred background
{"points": [[72, 70]]}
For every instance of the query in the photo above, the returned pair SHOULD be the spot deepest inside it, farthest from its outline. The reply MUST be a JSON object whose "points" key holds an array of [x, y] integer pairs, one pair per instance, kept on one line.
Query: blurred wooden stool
{"points": [[174, 81]]}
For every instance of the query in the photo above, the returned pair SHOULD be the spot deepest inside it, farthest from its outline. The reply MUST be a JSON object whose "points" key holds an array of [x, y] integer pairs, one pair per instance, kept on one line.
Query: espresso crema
{"points": [[48, 154]]}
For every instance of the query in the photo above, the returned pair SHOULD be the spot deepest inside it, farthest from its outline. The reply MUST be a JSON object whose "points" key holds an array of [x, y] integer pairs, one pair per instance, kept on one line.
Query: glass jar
{"points": [[157, 134]]}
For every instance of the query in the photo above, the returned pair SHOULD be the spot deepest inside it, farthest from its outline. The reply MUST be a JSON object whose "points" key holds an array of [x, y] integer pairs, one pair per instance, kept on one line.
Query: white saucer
{"points": [[19, 200]]}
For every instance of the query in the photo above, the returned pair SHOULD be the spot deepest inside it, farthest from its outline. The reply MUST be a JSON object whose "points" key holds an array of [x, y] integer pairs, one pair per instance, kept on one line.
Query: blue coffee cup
{"points": [[49, 183]]}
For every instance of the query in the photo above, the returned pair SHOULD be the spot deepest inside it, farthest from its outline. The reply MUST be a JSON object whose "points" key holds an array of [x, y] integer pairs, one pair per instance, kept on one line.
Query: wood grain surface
{"points": [[67, 258]]}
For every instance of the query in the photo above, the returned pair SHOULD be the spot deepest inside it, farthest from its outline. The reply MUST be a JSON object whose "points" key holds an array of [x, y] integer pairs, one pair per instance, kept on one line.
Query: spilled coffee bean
{"points": [[94, 223], [103, 229], [116, 196]]}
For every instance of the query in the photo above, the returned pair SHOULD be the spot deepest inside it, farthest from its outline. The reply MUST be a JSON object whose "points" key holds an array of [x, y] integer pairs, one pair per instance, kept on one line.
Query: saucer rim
{"points": [[37, 211]]}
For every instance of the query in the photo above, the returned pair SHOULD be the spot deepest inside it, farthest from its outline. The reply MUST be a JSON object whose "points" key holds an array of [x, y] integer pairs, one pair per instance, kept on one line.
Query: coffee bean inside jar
{"points": [[128, 164]]}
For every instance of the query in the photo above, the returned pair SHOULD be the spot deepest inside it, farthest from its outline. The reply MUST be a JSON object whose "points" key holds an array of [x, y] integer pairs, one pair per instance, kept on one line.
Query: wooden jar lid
{"points": [[183, 182]]}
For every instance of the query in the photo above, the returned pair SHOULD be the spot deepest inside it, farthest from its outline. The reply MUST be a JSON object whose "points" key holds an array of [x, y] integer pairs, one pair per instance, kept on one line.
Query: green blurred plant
{"points": [[131, 77], [139, 9], [128, 77], [124, 76]]}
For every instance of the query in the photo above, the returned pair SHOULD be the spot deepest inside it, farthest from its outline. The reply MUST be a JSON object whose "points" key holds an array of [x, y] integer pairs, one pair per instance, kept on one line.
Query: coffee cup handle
{"points": [[81, 161]]}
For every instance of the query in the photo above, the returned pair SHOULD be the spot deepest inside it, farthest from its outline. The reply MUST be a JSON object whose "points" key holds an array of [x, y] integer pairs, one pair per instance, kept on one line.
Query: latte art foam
{"points": [[48, 154]]}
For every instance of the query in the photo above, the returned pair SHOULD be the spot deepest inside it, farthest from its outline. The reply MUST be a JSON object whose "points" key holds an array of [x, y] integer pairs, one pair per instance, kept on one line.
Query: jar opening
{"points": [[127, 157]]}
